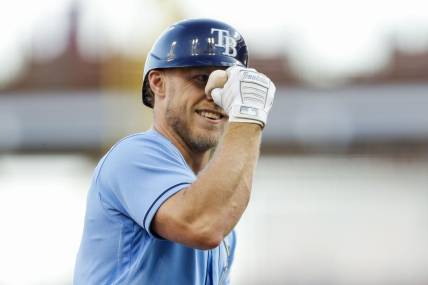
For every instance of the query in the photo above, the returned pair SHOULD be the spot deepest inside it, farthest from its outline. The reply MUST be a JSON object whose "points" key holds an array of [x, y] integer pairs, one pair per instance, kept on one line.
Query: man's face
{"points": [[194, 117]]}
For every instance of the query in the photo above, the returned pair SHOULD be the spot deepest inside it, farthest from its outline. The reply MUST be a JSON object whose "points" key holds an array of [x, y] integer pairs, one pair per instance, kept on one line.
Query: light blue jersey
{"points": [[129, 185]]}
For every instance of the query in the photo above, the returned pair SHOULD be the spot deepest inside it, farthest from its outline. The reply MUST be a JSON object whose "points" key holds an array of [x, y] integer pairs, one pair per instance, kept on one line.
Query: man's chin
{"points": [[213, 134], [205, 142]]}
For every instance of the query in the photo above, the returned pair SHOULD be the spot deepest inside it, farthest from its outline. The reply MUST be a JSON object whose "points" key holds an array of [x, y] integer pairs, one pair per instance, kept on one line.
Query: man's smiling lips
{"points": [[211, 115]]}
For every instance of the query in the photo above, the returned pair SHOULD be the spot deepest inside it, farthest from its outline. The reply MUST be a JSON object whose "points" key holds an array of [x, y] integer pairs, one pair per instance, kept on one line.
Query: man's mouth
{"points": [[210, 114]]}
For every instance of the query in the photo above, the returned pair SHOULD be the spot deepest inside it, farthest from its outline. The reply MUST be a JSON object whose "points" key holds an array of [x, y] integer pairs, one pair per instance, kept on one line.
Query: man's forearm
{"points": [[222, 190]]}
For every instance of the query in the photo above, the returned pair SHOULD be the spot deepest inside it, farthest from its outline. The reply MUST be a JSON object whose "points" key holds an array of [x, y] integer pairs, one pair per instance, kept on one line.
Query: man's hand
{"points": [[245, 94]]}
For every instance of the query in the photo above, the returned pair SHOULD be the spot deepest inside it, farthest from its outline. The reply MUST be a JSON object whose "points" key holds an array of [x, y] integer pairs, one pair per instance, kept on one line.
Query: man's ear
{"points": [[157, 82]]}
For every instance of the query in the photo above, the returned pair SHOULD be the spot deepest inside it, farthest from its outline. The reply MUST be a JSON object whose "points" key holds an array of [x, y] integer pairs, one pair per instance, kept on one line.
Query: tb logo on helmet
{"points": [[225, 41]]}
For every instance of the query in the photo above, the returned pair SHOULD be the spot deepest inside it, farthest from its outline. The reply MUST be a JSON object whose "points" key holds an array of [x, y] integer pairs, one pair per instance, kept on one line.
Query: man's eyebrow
{"points": [[200, 72]]}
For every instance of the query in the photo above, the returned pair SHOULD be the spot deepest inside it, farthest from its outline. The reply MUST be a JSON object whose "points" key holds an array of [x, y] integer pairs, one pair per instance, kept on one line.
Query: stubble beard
{"points": [[196, 142]]}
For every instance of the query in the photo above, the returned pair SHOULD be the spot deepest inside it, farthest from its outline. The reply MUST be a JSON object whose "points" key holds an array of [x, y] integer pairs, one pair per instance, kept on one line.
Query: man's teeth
{"points": [[210, 115]]}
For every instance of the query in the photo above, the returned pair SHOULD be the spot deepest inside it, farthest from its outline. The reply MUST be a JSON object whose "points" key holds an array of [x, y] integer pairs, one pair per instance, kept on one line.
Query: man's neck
{"points": [[196, 160]]}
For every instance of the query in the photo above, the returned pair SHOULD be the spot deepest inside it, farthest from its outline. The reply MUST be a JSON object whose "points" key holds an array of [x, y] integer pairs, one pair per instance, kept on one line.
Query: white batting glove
{"points": [[245, 94]]}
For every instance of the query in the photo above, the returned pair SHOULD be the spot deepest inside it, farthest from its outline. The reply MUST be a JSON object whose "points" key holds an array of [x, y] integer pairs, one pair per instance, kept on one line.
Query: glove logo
{"points": [[255, 77], [245, 110], [225, 41]]}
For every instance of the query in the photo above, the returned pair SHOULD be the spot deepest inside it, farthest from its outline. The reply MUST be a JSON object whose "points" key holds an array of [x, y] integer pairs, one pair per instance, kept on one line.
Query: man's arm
{"points": [[201, 215]]}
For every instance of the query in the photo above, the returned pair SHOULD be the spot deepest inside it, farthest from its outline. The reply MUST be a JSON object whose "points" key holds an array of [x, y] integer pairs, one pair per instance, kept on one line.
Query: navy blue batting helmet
{"points": [[194, 43]]}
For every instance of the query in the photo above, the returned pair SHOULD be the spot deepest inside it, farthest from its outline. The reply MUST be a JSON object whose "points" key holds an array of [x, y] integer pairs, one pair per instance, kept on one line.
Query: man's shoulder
{"points": [[141, 141], [150, 136], [145, 145]]}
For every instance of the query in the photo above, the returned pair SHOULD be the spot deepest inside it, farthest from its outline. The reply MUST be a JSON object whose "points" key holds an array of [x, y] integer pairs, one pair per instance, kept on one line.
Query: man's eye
{"points": [[201, 79]]}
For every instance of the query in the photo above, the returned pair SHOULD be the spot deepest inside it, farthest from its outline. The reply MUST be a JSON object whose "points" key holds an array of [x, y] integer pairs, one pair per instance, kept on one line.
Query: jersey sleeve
{"points": [[232, 254], [139, 176]]}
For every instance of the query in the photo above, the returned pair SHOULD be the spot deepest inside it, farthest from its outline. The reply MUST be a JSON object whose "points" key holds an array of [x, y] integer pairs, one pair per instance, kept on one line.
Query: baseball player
{"points": [[163, 204]]}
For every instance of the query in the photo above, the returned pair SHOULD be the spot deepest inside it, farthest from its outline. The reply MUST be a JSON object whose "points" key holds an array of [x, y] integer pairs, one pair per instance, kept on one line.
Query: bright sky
{"points": [[330, 36]]}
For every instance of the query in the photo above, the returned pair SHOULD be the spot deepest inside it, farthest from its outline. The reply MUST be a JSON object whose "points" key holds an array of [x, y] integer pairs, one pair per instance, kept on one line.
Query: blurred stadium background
{"points": [[341, 190]]}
